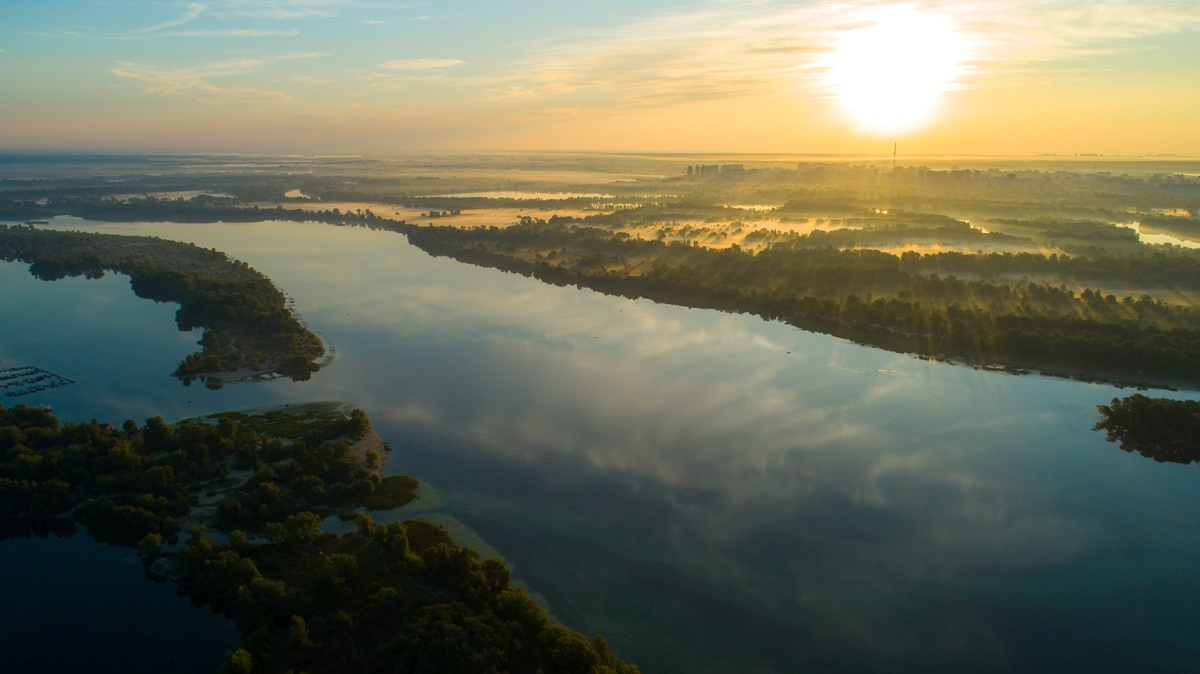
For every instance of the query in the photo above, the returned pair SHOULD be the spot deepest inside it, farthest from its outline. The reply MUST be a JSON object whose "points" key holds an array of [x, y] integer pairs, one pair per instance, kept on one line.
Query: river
{"points": [[710, 491]]}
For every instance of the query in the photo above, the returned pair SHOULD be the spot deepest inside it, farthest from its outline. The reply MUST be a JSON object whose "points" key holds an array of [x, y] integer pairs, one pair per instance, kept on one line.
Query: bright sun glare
{"points": [[889, 76]]}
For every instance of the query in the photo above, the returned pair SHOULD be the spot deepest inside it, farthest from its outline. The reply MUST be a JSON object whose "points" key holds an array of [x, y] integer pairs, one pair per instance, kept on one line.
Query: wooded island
{"points": [[396, 597]]}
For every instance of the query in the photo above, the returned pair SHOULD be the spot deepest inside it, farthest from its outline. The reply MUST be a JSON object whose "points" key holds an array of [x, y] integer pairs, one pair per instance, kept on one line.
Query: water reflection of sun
{"points": [[889, 75]]}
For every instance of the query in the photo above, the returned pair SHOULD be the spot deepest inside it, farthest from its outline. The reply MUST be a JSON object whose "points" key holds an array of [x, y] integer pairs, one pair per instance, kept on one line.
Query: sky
{"points": [[1005, 77]]}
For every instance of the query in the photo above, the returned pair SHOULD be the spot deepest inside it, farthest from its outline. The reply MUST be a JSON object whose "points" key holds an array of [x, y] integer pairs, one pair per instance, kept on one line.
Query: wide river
{"points": [[710, 491]]}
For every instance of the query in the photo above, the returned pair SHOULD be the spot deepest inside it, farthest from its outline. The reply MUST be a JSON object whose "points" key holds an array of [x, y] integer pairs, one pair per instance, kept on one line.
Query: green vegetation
{"points": [[397, 597], [377, 600], [313, 422], [126, 483], [1029, 265], [909, 302], [393, 492], [247, 325], [1162, 429]]}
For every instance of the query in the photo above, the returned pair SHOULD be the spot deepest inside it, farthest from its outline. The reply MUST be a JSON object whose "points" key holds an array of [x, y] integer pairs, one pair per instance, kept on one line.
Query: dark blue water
{"points": [[710, 491], [74, 605]]}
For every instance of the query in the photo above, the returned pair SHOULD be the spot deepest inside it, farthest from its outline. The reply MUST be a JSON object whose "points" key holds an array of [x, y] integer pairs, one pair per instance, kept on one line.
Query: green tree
{"points": [[303, 527], [298, 634], [238, 662], [358, 425], [150, 547]]}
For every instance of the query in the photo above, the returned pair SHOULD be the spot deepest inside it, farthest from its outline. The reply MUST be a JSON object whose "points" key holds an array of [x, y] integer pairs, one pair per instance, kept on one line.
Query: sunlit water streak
{"points": [[1161, 238], [541, 196]]}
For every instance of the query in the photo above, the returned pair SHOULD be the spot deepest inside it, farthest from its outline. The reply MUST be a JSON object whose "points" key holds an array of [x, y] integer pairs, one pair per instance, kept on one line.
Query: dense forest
{"points": [[245, 320], [397, 597]]}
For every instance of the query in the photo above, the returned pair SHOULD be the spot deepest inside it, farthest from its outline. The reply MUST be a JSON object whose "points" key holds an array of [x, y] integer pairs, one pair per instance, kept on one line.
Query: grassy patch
{"points": [[393, 492], [294, 422]]}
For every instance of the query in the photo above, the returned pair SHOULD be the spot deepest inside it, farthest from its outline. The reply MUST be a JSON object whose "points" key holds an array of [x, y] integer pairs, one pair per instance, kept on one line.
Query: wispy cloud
{"points": [[280, 9], [306, 79], [80, 33], [216, 11], [238, 32], [1011, 33], [433, 17], [196, 82], [698, 55], [3, 50], [719, 51], [512, 92], [193, 12], [420, 64], [391, 82]]}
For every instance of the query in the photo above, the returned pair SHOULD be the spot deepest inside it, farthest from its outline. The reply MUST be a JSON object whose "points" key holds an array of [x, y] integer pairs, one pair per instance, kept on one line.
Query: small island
{"points": [[1162, 429], [247, 328], [396, 597]]}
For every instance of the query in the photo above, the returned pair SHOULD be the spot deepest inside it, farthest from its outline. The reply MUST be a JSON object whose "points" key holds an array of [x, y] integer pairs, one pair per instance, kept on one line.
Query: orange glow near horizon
{"points": [[821, 76]]}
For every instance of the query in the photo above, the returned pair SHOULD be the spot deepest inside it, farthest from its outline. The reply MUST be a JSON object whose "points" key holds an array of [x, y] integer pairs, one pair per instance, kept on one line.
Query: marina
{"points": [[26, 380]]}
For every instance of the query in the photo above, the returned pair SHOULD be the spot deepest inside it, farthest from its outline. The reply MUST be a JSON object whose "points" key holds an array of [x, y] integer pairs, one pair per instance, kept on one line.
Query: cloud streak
{"points": [[683, 57], [194, 10], [420, 64], [79, 34], [224, 9], [280, 9], [196, 82], [237, 32], [719, 52]]}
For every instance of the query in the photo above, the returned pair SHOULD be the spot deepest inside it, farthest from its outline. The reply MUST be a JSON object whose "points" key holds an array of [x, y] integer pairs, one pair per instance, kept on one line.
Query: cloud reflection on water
{"points": [[675, 477]]}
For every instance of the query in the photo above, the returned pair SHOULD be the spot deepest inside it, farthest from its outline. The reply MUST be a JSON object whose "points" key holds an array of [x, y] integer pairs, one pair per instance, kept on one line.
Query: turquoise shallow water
{"points": [[710, 491]]}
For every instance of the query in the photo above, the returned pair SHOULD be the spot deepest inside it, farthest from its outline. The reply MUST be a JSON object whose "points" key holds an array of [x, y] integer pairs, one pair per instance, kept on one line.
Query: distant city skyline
{"points": [[977, 77]]}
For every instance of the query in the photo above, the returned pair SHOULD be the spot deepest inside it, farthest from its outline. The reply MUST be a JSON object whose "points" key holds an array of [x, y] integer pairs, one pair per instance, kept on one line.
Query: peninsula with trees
{"points": [[395, 597], [247, 327]]}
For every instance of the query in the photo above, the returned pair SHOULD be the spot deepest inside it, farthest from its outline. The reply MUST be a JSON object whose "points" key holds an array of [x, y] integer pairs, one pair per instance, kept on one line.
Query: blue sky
{"points": [[357, 75]]}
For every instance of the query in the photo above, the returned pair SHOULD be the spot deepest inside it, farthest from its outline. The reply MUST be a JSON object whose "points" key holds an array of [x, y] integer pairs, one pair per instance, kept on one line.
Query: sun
{"points": [[889, 76]]}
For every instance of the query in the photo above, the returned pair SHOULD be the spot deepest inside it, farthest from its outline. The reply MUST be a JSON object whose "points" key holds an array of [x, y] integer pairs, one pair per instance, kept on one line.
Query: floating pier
{"points": [[23, 381]]}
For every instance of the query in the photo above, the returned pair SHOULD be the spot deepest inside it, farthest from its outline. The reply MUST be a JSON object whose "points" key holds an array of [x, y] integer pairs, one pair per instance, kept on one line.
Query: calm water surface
{"points": [[711, 492], [75, 605]]}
